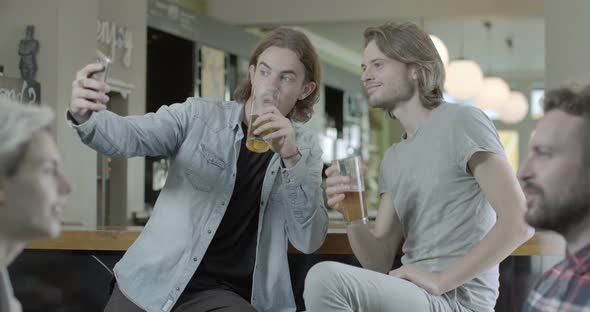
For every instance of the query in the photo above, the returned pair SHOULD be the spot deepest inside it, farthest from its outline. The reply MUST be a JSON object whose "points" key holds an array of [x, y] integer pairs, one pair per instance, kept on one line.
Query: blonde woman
{"points": [[32, 186]]}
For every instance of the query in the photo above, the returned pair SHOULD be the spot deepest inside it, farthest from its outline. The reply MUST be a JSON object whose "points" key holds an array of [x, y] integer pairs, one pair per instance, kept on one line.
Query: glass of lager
{"points": [[353, 205], [260, 99]]}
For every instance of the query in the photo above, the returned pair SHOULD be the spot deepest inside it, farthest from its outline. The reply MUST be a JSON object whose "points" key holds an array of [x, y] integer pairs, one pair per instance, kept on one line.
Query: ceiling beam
{"points": [[281, 12]]}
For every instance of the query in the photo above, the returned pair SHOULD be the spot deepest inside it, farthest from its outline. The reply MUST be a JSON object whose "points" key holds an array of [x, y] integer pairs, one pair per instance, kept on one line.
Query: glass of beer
{"points": [[261, 99], [353, 205]]}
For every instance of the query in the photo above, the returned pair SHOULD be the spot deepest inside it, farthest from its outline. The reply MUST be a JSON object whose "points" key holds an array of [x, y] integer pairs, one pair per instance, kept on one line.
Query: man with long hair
{"points": [[447, 191], [556, 182], [217, 239]]}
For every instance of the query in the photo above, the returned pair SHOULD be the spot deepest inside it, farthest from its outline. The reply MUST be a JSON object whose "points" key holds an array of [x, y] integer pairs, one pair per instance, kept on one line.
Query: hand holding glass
{"points": [[260, 100], [353, 205]]}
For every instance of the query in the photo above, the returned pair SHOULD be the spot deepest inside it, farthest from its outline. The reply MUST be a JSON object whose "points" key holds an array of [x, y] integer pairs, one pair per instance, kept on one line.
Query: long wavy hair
{"points": [[409, 44], [297, 42]]}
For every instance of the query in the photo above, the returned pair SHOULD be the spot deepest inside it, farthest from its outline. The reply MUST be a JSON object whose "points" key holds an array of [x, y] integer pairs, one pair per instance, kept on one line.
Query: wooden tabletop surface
{"points": [[120, 238]]}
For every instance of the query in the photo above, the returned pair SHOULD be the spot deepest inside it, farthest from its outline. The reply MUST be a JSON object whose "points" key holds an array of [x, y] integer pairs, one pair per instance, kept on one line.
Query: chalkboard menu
{"points": [[19, 90]]}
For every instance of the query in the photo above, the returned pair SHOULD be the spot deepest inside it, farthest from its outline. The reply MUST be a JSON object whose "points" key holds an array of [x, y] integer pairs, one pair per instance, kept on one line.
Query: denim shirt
{"points": [[202, 137]]}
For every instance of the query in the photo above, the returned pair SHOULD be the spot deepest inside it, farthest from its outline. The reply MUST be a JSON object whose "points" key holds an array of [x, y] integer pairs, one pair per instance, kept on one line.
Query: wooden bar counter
{"points": [[120, 238], [82, 254]]}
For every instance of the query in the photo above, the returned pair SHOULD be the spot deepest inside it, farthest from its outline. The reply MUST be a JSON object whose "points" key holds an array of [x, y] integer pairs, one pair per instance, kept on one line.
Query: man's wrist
{"points": [[292, 155], [355, 225], [72, 118], [443, 282]]}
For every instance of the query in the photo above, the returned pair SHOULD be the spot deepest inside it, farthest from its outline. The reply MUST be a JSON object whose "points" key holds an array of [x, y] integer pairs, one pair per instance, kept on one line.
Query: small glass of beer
{"points": [[261, 99], [353, 205]]}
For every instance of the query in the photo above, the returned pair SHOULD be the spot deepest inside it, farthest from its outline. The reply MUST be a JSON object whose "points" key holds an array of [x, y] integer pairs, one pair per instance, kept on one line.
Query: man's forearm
{"points": [[498, 244], [373, 253]]}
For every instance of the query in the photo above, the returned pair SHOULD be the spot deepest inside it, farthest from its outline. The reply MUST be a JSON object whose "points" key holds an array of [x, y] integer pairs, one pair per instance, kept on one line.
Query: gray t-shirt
{"points": [[7, 301], [441, 208]]}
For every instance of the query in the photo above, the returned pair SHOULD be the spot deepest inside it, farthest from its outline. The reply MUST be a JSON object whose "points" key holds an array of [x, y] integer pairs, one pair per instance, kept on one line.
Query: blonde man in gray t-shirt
{"points": [[447, 191]]}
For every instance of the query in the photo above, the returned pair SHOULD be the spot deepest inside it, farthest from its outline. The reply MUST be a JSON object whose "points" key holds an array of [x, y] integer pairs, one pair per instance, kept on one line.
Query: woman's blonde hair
{"points": [[409, 44], [18, 124]]}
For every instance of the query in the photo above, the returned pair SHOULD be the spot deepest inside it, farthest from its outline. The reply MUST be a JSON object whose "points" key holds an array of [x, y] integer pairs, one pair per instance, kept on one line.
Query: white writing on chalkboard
{"points": [[25, 95], [116, 37]]}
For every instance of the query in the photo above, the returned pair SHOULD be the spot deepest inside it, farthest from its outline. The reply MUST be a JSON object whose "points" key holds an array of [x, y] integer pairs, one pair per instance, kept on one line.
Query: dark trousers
{"points": [[203, 301]]}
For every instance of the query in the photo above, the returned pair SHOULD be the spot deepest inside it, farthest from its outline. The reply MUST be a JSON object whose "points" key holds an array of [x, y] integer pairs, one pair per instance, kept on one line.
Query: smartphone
{"points": [[101, 58]]}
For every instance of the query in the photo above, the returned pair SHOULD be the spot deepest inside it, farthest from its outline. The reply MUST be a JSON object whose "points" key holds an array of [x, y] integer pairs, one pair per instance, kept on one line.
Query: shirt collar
{"points": [[580, 260]]}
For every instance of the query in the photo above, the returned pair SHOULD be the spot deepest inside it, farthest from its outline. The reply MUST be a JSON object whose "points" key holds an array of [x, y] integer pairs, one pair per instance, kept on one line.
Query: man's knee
{"points": [[322, 278]]}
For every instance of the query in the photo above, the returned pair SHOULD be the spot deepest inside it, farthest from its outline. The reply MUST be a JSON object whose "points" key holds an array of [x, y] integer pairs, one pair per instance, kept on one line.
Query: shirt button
{"points": [[177, 288], [272, 172], [222, 203], [209, 231], [195, 259], [262, 203]]}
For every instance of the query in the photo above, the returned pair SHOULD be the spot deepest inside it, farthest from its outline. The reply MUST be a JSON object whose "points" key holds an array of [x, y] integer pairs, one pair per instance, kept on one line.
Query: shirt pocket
{"points": [[206, 168]]}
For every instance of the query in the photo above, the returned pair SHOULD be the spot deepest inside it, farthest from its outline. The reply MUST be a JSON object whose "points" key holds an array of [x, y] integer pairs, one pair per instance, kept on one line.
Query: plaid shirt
{"points": [[565, 287]]}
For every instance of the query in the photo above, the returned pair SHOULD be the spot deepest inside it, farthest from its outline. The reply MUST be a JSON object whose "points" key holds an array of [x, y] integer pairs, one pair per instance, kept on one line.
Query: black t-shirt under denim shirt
{"points": [[229, 260]]}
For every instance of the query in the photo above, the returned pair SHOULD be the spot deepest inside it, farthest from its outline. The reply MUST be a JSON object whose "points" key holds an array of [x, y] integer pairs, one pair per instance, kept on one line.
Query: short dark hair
{"points": [[575, 101]]}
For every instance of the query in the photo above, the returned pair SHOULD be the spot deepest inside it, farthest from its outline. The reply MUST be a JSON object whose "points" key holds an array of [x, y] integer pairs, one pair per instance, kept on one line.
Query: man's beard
{"points": [[563, 211], [390, 103]]}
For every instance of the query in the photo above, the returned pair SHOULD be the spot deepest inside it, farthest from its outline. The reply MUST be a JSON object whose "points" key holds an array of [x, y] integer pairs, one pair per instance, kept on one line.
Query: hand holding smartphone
{"points": [[89, 89], [101, 58]]}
